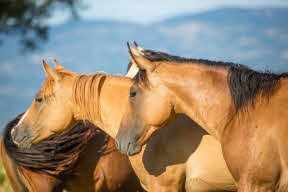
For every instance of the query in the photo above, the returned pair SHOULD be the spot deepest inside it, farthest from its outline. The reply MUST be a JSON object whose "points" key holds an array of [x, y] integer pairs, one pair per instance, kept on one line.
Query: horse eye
{"points": [[38, 100], [132, 93]]}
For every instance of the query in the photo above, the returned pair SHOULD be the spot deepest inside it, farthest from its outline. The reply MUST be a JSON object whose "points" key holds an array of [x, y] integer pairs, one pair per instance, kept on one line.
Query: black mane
{"points": [[56, 155], [245, 84], [160, 56]]}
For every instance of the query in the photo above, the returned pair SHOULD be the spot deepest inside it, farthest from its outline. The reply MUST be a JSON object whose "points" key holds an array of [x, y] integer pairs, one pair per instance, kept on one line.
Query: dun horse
{"points": [[244, 109], [164, 156], [67, 97], [83, 158]]}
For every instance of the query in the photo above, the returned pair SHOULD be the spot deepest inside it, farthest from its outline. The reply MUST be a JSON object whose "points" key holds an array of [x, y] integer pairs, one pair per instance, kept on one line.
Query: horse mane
{"points": [[244, 83], [86, 90], [56, 155], [160, 56]]}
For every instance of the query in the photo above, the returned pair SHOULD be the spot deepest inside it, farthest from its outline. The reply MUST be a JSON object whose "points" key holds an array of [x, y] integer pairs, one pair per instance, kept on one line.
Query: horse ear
{"points": [[60, 67], [138, 48], [57, 65], [139, 60], [133, 70], [50, 71]]}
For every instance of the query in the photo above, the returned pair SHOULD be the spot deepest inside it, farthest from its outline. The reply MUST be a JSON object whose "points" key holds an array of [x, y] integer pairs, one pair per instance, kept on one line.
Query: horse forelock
{"points": [[56, 155]]}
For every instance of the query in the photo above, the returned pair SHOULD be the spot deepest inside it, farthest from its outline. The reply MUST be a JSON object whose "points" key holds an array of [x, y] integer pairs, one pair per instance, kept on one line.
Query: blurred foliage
{"points": [[2, 178], [25, 19]]}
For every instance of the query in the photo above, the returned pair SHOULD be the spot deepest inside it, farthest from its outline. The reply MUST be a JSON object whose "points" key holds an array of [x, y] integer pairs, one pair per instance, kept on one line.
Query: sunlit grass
{"points": [[4, 182]]}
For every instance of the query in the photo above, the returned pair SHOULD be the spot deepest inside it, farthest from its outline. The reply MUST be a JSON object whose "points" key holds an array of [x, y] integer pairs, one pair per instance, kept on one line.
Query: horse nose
{"points": [[14, 136]]}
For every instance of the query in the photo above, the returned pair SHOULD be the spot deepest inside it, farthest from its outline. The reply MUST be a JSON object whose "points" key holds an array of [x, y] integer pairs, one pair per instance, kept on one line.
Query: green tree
{"points": [[24, 18]]}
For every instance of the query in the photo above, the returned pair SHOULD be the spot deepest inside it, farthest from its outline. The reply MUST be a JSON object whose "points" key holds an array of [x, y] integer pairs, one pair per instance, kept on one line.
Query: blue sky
{"points": [[147, 11]]}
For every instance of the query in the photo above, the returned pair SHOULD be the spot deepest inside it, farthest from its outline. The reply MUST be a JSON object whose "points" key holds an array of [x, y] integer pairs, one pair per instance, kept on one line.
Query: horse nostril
{"points": [[13, 132]]}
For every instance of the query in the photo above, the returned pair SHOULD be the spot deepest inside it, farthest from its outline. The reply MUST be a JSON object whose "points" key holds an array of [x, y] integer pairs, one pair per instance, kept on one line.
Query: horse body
{"points": [[98, 171], [243, 109]]}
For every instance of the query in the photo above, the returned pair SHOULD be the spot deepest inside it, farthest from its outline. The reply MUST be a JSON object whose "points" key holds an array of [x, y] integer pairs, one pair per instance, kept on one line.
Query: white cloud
{"points": [[284, 54]]}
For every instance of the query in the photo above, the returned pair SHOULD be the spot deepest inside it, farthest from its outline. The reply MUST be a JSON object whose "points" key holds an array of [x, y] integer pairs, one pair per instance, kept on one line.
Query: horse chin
{"points": [[25, 143], [133, 150]]}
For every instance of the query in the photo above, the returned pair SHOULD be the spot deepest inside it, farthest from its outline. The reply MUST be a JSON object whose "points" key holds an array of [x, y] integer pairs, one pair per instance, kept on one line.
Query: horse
{"points": [[182, 132], [66, 98], [83, 158], [243, 109]]}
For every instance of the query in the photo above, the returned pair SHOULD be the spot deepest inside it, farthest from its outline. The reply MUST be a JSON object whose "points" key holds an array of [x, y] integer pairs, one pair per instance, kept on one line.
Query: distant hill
{"points": [[255, 37]]}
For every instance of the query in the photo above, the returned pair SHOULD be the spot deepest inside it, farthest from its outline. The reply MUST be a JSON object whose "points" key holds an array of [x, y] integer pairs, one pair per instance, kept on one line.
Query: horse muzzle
{"points": [[126, 146], [21, 137]]}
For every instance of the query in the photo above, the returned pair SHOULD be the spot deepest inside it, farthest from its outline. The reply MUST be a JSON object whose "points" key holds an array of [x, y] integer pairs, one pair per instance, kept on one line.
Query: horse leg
{"points": [[204, 174], [249, 182], [198, 185], [99, 178], [249, 187], [171, 188], [36, 182]]}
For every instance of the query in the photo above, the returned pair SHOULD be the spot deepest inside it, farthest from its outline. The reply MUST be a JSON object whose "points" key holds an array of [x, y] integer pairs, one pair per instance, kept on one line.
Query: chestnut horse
{"points": [[83, 158], [244, 109], [100, 98]]}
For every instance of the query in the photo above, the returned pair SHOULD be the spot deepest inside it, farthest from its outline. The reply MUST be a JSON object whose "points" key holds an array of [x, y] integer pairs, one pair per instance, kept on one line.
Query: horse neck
{"points": [[202, 93], [114, 100], [102, 102]]}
